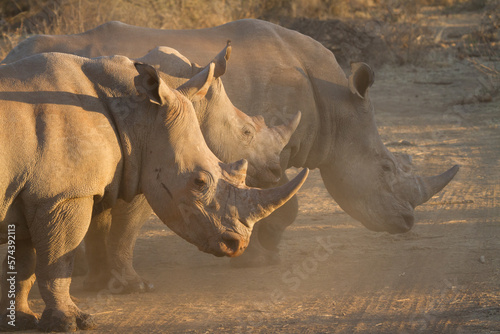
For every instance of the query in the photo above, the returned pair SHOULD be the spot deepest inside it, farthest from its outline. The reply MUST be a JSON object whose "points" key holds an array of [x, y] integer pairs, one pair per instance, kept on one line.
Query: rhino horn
{"points": [[432, 185], [285, 131], [260, 203], [238, 171]]}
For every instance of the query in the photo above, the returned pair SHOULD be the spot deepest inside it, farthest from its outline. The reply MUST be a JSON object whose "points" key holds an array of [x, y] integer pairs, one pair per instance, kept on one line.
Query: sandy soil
{"points": [[335, 276]]}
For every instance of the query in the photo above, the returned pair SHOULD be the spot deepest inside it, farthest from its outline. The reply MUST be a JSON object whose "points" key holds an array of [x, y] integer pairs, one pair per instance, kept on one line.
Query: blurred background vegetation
{"points": [[377, 31]]}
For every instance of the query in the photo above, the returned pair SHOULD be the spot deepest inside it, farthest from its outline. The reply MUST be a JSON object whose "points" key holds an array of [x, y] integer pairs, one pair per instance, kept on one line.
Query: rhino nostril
{"points": [[233, 243], [276, 171], [402, 224], [409, 221]]}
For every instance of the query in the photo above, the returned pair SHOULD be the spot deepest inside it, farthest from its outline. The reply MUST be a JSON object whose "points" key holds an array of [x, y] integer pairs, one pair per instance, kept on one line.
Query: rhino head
{"points": [[229, 133], [202, 199], [364, 178]]}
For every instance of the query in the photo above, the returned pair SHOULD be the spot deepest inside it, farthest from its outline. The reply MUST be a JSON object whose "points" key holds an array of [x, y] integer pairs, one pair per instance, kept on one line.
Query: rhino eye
{"points": [[248, 133], [387, 167], [201, 181]]}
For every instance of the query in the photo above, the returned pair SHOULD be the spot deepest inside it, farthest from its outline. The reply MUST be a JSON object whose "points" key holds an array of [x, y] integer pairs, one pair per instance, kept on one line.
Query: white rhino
{"points": [[277, 72], [229, 133], [79, 134]]}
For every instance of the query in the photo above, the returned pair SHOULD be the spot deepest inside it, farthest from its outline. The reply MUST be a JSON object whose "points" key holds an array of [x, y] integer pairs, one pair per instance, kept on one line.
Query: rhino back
{"points": [[57, 138], [273, 71]]}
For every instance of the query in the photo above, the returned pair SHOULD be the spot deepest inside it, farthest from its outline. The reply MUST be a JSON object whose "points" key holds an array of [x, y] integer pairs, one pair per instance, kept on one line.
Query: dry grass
{"points": [[20, 18]]}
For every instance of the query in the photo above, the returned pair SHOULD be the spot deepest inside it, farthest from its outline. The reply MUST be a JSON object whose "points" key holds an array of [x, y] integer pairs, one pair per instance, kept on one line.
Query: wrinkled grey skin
{"points": [[79, 134], [282, 72]]}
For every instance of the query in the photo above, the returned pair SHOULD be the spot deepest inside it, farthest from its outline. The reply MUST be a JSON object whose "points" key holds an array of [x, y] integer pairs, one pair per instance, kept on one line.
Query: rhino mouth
{"points": [[260, 183], [409, 220], [399, 222], [230, 244], [264, 177]]}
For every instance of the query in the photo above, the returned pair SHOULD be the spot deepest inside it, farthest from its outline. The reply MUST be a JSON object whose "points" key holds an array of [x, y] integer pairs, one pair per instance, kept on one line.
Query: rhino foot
{"points": [[128, 286], [54, 320], [23, 321], [118, 284], [143, 286]]}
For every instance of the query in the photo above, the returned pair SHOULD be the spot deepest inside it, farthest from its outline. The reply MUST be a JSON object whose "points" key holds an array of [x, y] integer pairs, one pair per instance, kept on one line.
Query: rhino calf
{"points": [[79, 134]]}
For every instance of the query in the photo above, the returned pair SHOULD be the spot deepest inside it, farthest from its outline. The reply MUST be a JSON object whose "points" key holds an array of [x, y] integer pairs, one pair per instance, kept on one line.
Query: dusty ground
{"points": [[336, 276]]}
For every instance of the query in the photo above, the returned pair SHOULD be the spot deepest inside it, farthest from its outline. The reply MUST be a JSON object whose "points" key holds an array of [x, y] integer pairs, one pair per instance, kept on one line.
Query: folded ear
{"points": [[220, 62], [197, 87], [362, 77], [221, 59], [149, 83]]}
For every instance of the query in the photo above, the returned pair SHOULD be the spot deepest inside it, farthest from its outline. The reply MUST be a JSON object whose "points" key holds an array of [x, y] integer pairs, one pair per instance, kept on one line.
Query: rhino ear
{"points": [[220, 62], [197, 87], [149, 83], [362, 77]]}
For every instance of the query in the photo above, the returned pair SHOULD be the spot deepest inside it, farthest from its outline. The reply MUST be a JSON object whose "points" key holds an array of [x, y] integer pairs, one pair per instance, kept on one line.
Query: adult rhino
{"points": [[282, 72], [229, 133], [79, 134]]}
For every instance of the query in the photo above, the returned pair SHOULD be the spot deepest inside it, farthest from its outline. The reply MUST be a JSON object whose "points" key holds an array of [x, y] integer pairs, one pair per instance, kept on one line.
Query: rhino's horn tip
{"points": [[302, 176], [435, 184]]}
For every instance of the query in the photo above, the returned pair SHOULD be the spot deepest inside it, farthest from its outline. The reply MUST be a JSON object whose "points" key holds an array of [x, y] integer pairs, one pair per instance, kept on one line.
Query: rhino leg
{"points": [[56, 232], [113, 233], [25, 319], [128, 219], [266, 236], [80, 267], [96, 255]]}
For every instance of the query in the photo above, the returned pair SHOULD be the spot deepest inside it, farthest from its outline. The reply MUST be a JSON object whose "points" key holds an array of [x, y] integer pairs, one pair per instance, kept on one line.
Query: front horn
{"points": [[434, 184], [255, 204]]}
